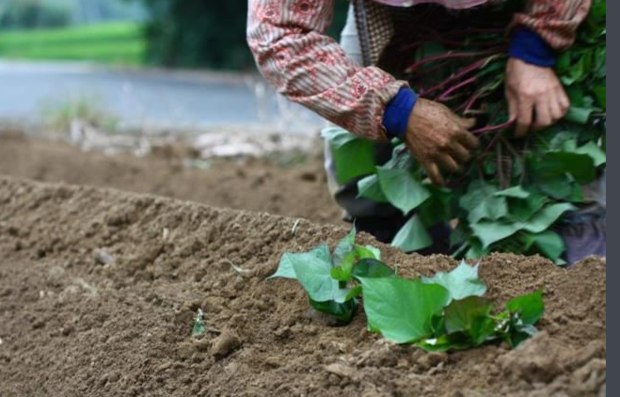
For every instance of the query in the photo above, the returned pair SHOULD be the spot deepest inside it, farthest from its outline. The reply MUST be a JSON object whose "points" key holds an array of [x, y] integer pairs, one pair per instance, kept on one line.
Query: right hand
{"points": [[436, 137]]}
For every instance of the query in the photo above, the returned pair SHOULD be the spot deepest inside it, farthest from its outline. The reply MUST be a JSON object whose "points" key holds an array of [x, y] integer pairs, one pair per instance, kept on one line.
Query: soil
{"points": [[98, 289], [287, 185]]}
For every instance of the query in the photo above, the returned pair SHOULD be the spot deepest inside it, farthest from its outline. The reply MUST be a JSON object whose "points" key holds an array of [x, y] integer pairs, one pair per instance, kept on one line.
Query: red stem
{"points": [[450, 55], [468, 69], [492, 143], [473, 100], [462, 84], [454, 43], [491, 128]]}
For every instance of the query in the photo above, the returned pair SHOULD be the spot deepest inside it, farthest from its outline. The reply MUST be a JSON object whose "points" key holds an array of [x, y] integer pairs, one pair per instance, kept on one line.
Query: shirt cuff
{"points": [[398, 111], [531, 48]]}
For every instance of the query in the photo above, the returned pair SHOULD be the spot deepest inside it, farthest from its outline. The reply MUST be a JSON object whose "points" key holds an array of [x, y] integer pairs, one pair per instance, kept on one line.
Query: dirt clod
{"points": [[225, 344], [431, 360], [536, 360]]}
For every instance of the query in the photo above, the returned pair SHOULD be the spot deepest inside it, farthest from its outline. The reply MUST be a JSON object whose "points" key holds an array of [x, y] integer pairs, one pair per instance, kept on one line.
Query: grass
{"points": [[118, 43]]}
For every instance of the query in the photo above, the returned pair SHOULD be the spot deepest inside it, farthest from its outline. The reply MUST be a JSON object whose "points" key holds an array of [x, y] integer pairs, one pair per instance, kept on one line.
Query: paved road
{"points": [[147, 97]]}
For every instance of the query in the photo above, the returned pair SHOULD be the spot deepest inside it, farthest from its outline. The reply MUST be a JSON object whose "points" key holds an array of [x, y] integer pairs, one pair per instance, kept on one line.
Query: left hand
{"points": [[536, 98]]}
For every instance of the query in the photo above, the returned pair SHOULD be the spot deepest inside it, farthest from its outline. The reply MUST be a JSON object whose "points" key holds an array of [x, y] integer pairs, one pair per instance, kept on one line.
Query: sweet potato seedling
{"points": [[445, 312]]}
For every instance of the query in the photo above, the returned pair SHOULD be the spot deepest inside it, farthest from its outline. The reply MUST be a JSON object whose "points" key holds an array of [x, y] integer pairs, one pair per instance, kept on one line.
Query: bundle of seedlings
{"points": [[514, 193]]}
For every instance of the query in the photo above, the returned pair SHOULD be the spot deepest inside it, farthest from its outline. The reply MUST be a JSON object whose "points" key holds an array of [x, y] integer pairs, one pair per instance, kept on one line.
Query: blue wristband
{"points": [[531, 48], [398, 111]]}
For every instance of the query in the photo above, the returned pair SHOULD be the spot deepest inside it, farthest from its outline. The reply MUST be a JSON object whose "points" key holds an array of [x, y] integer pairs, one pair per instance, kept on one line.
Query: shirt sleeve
{"points": [[292, 51], [531, 48], [554, 21]]}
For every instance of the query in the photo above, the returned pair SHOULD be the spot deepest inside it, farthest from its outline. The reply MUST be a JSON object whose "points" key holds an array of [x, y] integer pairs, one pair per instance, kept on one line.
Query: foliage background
{"points": [[204, 34]]}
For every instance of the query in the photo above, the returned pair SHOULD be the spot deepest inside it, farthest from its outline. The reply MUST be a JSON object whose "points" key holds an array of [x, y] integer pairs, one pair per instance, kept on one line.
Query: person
{"points": [[342, 83]]}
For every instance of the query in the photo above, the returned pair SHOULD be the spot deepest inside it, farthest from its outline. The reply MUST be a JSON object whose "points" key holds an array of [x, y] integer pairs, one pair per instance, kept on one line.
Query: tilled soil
{"points": [[98, 289], [284, 186]]}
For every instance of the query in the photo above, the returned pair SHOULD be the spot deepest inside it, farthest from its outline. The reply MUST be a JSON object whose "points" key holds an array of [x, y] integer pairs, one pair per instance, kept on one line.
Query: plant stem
{"points": [[524, 170], [445, 96], [468, 69], [493, 142], [500, 172], [451, 55], [491, 128]]}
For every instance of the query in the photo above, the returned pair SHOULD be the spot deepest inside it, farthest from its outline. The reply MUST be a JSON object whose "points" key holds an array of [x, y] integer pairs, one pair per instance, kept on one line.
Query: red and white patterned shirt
{"points": [[292, 51]]}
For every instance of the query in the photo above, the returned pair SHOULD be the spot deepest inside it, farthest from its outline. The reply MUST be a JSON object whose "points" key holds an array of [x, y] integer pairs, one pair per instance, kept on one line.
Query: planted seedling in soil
{"points": [[445, 312], [200, 326], [332, 279]]}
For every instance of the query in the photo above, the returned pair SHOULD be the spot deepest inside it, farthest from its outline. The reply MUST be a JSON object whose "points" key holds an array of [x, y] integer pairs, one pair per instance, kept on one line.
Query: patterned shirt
{"points": [[292, 51], [455, 4]]}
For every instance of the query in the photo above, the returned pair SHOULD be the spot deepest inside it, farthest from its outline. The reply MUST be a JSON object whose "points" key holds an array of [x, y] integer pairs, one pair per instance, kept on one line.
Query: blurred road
{"points": [[157, 98]]}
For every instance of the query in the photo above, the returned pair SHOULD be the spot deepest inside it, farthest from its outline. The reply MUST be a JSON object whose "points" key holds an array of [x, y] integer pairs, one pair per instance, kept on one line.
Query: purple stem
{"points": [[450, 55], [473, 100], [449, 91], [468, 69], [492, 143], [491, 128]]}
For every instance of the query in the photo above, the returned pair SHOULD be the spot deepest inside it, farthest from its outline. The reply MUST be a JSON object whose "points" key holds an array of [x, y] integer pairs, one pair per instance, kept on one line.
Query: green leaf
{"points": [[440, 207], [400, 309], [285, 268], [471, 317], [530, 308], [314, 274], [354, 292], [547, 217], [345, 246], [555, 164], [592, 150], [558, 187], [354, 157], [376, 252], [475, 250], [492, 232], [476, 193], [548, 243], [343, 271], [352, 260], [445, 343], [412, 236], [338, 137], [372, 268], [199, 327], [370, 188], [514, 192], [462, 282], [523, 210], [601, 96], [342, 311], [579, 115], [402, 189], [491, 208]]}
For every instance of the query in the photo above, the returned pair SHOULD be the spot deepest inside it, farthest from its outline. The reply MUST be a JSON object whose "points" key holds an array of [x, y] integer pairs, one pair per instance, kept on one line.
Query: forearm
{"points": [[555, 22], [294, 54]]}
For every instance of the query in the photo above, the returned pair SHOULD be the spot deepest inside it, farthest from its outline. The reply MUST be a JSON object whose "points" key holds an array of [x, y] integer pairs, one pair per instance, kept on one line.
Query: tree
{"points": [[28, 14], [202, 34]]}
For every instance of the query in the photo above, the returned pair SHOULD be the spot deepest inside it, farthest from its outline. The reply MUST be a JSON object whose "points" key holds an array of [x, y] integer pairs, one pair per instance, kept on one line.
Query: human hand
{"points": [[536, 98], [437, 137]]}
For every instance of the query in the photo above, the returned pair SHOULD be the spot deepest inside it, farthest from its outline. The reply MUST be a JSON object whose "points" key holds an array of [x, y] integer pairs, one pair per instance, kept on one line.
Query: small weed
{"points": [[200, 326], [86, 109]]}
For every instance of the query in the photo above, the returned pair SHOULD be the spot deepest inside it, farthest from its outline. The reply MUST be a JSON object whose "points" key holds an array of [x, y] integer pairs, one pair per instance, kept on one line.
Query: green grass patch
{"points": [[117, 43]]}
